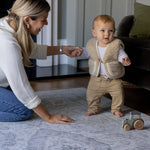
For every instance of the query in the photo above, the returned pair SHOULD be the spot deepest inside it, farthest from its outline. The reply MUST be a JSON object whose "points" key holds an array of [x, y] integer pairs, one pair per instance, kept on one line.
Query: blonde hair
{"points": [[21, 8], [104, 19]]}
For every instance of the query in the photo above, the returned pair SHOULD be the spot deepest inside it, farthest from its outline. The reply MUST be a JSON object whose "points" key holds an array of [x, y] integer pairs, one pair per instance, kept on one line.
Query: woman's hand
{"points": [[72, 51], [41, 111], [60, 119]]}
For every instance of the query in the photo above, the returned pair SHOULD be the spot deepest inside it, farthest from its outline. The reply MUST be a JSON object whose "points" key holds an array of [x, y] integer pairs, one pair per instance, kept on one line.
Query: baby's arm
{"points": [[126, 61], [85, 53], [123, 57]]}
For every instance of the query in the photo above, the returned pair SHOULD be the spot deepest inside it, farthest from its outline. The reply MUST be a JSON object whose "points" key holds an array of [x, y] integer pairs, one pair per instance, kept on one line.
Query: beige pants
{"points": [[99, 86]]}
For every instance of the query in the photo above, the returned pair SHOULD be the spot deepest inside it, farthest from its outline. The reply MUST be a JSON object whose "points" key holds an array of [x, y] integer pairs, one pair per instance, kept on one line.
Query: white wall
{"points": [[48, 35], [121, 8], [92, 9]]}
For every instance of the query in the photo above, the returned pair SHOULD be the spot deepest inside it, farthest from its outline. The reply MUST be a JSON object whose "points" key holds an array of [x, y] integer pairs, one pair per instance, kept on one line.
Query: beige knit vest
{"points": [[113, 68]]}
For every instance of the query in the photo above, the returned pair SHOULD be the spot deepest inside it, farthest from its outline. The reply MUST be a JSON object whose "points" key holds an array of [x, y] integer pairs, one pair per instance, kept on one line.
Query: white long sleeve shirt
{"points": [[12, 70]]}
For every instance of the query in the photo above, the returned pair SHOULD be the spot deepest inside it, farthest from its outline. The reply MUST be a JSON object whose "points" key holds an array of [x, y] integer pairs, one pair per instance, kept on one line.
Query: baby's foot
{"points": [[89, 113], [119, 114]]}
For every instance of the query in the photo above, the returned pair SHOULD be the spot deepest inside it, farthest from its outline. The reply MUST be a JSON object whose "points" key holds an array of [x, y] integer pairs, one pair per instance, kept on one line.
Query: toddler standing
{"points": [[106, 66]]}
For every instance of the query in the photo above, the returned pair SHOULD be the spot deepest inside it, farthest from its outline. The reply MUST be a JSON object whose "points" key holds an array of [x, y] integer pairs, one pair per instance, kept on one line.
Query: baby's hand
{"points": [[126, 61], [76, 52], [72, 51]]}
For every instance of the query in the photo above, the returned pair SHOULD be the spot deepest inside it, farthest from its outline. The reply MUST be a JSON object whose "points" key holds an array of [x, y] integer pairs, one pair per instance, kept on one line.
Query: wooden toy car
{"points": [[134, 122]]}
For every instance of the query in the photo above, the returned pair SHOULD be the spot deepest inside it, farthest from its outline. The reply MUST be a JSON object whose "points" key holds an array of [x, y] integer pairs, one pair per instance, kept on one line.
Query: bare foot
{"points": [[89, 113], [119, 114]]}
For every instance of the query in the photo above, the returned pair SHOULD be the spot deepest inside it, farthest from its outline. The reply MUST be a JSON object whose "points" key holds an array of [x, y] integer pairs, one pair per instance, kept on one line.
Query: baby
{"points": [[107, 59]]}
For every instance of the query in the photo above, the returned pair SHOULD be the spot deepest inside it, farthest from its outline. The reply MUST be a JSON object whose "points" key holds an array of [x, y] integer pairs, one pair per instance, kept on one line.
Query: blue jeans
{"points": [[11, 109]]}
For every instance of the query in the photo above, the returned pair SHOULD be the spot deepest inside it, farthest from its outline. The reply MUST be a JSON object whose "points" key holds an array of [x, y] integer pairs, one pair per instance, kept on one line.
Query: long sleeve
{"points": [[38, 51], [12, 70], [122, 54], [85, 53]]}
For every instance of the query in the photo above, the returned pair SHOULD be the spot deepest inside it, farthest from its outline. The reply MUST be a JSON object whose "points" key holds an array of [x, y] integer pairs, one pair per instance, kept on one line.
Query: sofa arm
{"points": [[125, 26]]}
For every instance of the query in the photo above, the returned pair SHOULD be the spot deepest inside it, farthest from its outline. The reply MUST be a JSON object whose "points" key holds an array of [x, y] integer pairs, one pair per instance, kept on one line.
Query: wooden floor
{"points": [[135, 97], [60, 83]]}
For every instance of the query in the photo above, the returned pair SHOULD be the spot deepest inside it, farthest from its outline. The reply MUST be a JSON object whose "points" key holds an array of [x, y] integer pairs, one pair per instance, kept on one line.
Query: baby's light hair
{"points": [[104, 19]]}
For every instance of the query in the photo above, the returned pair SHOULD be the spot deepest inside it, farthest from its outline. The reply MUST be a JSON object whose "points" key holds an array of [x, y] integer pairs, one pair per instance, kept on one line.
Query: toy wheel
{"points": [[138, 124], [127, 127]]}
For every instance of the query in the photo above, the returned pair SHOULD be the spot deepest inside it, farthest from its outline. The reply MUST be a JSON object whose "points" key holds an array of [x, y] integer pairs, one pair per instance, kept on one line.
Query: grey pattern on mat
{"points": [[99, 132]]}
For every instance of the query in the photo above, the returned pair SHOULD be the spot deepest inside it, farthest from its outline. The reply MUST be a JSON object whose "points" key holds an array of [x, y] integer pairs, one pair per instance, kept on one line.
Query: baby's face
{"points": [[104, 32]]}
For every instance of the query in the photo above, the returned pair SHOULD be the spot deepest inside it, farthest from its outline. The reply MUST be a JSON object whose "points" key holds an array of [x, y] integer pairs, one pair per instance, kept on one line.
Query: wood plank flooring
{"points": [[135, 97]]}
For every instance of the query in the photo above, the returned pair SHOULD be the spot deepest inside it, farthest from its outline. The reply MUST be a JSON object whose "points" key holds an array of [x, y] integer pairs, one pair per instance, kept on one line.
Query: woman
{"points": [[17, 103]]}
